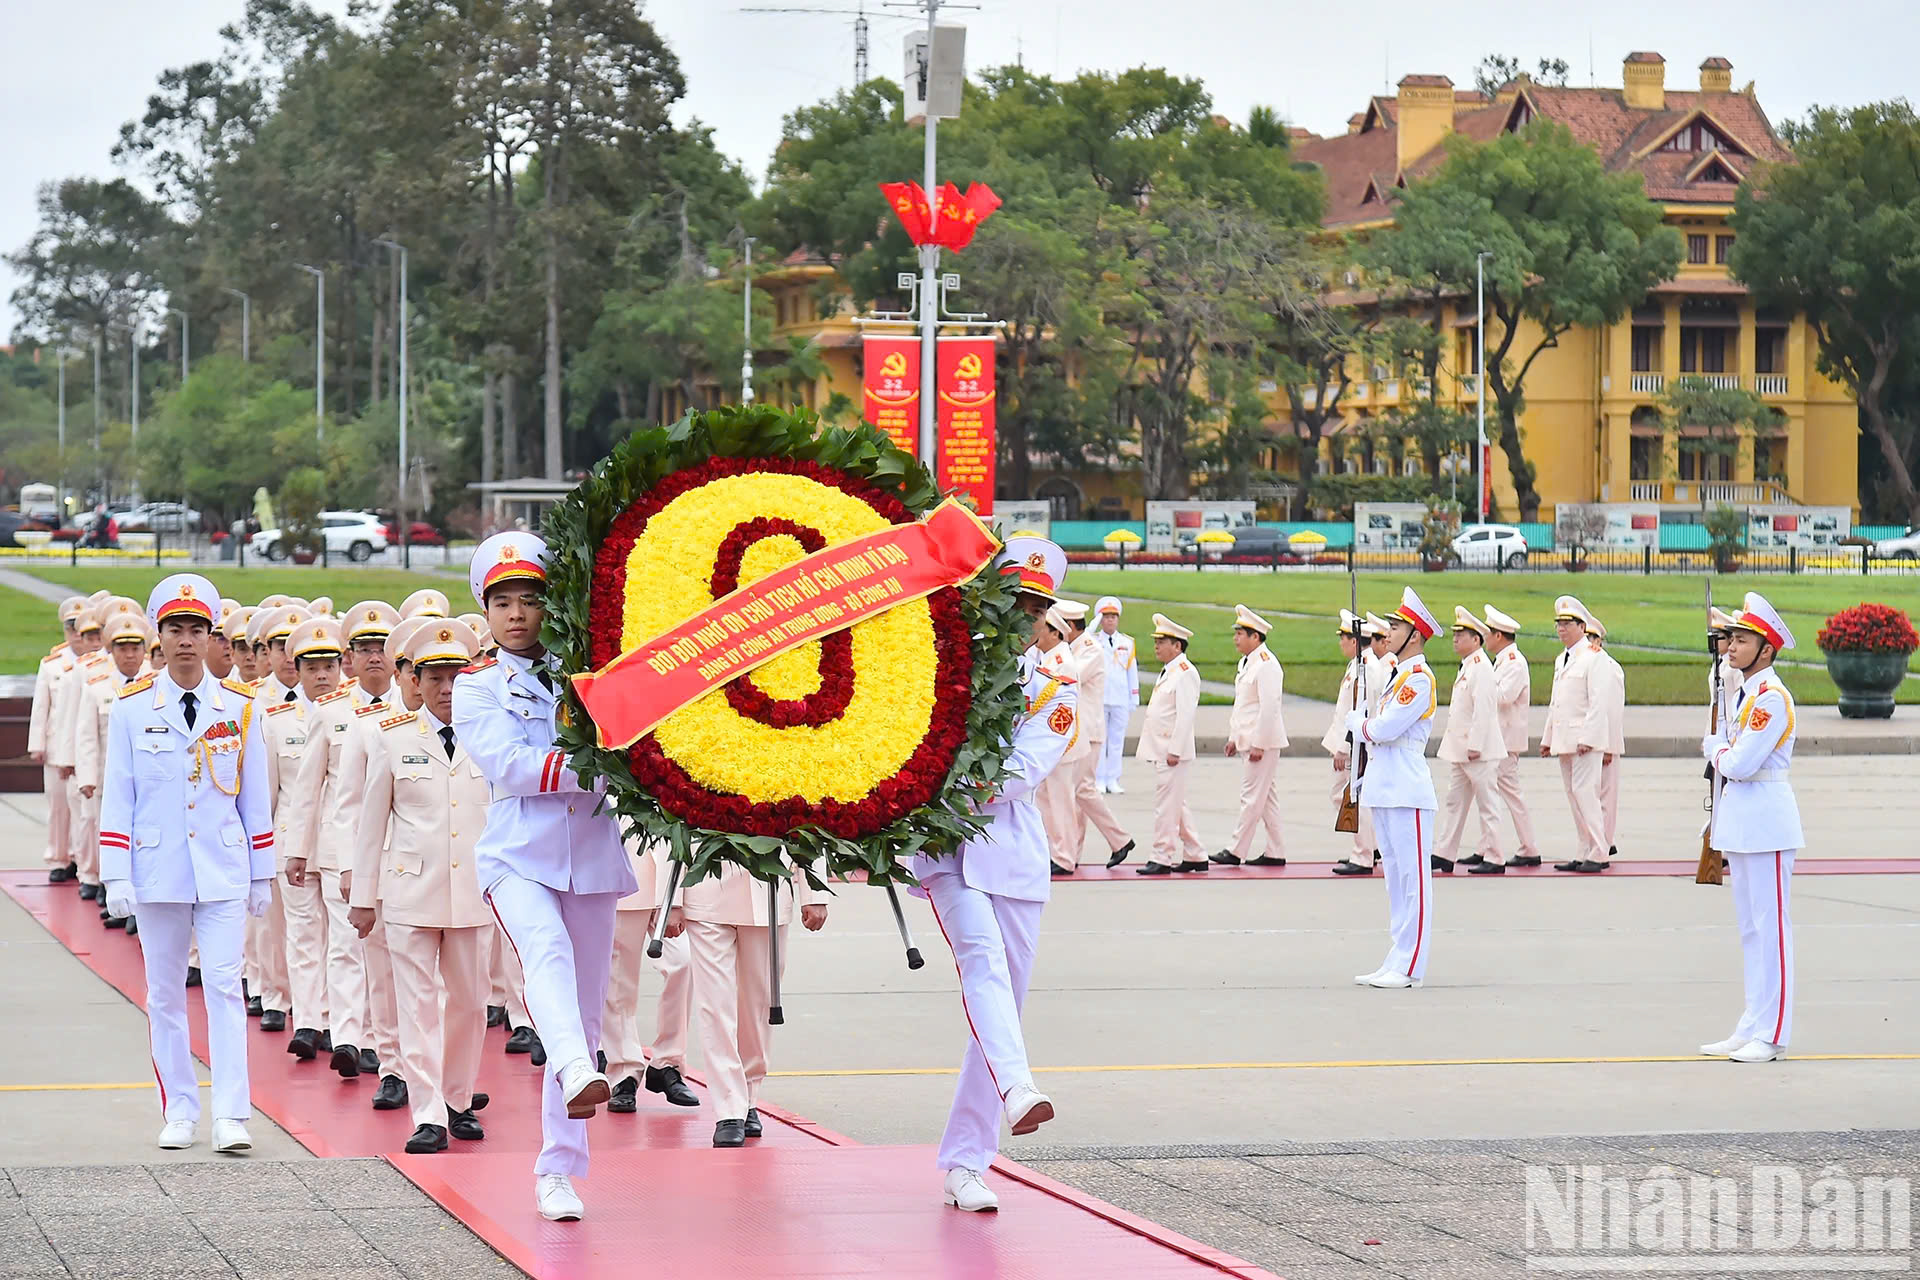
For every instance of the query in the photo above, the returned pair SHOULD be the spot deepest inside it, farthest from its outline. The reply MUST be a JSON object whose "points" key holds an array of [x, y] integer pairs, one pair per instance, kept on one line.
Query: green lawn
{"points": [[1666, 614]]}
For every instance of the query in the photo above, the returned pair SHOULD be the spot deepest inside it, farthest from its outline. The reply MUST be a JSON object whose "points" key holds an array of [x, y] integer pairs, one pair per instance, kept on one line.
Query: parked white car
{"points": [[1486, 546], [356, 535], [1904, 547]]}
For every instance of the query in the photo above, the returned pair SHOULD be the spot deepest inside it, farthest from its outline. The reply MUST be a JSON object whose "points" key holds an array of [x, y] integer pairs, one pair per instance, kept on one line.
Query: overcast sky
{"points": [[72, 70]]}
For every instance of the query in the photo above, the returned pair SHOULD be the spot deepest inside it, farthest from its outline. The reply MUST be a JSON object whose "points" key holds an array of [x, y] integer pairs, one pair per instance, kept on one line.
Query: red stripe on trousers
{"points": [[963, 999], [1780, 927], [517, 960], [1420, 881], [163, 1086]]}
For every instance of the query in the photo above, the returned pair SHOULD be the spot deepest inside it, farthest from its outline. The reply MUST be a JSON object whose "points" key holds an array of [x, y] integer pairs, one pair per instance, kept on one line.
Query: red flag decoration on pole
{"points": [[909, 204], [961, 215], [965, 416], [890, 388]]}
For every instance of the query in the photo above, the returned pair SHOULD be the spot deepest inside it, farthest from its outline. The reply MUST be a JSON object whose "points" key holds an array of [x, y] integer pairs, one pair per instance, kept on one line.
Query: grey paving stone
{"points": [[249, 1270], [358, 1184], [109, 1230], [282, 1242], [7, 1191], [428, 1244], [181, 1266], [128, 1186], [236, 1187]]}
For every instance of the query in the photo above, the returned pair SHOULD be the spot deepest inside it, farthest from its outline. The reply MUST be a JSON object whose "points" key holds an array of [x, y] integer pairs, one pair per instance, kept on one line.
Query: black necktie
{"points": [[186, 708], [545, 677], [374, 701], [291, 695], [446, 736]]}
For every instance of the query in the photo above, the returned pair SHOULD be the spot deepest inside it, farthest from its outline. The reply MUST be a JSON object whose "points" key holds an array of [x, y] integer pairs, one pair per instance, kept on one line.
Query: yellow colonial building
{"points": [[1592, 425]]}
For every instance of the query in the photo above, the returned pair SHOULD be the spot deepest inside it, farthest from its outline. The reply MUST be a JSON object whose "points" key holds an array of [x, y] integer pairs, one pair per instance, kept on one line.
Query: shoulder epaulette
{"points": [[137, 686], [55, 651], [342, 692], [239, 686], [98, 678], [405, 717], [478, 664], [371, 709], [276, 708]]}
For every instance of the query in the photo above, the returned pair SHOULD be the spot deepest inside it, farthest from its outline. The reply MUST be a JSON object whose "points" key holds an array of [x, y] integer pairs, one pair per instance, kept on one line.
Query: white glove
{"points": [[1710, 745], [119, 899], [1354, 720], [259, 897]]}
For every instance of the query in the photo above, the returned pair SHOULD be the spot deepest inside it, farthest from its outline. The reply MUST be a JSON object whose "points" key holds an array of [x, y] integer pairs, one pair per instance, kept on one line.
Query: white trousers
{"points": [[306, 948], [346, 969], [1609, 803], [1763, 905], [1406, 843], [1580, 774], [441, 980], [83, 831], [166, 928], [1113, 748], [993, 940], [1363, 842], [1471, 784], [1259, 806], [620, 1034], [508, 984], [383, 1010], [266, 954], [59, 817], [1174, 838], [564, 942], [1507, 782], [732, 986]]}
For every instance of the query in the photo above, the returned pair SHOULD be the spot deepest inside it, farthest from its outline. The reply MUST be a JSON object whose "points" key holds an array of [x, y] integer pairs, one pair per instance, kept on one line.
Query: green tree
{"points": [[1836, 236], [1728, 417], [1573, 246]]}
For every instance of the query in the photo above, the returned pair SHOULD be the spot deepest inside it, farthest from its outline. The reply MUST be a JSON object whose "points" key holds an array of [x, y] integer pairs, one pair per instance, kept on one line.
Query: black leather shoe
{"points": [[1193, 864], [273, 1020], [1471, 860], [116, 922], [346, 1060], [1345, 868], [1443, 865], [667, 1082], [496, 1015], [1570, 865], [462, 1125], [730, 1133], [89, 892], [1120, 855], [626, 1096], [57, 876], [1524, 860], [391, 1095], [73, 871], [1266, 860], [325, 1044], [1486, 869], [538, 1054], [369, 1063], [193, 975], [104, 916], [1613, 851], [1225, 858], [1588, 868], [1059, 872], [478, 1102], [753, 1122], [521, 1041], [253, 1007], [427, 1139], [1153, 869], [132, 925], [305, 1044]]}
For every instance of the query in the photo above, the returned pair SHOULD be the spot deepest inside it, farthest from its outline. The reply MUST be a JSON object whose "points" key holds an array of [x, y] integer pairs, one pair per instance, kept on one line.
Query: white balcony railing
{"points": [[1651, 384], [1647, 491], [1387, 389], [1770, 384], [1722, 381]]}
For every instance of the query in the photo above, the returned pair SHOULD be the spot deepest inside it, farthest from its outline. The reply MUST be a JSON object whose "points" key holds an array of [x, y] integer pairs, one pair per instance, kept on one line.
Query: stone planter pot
{"points": [[1866, 682]]}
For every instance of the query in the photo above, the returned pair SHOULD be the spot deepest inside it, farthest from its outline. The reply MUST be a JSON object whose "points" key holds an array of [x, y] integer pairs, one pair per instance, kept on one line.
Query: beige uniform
{"points": [[1334, 742], [70, 696], [1257, 725], [265, 955], [1513, 682], [1088, 804], [620, 1035], [420, 816], [285, 730], [383, 1012], [1609, 685], [1168, 731], [59, 818], [1576, 720], [1472, 747], [1055, 797], [97, 696]]}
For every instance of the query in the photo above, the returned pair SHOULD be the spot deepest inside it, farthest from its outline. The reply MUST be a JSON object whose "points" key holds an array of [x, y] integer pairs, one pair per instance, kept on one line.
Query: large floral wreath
{"points": [[844, 754]]}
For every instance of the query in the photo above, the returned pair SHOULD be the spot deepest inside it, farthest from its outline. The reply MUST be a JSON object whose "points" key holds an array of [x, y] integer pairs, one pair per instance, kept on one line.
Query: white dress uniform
{"points": [[1514, 681], [1608, 681], [1472, 747], [1055, 797], [285, 730], [627, 1052], [1168, 731], [551, 863], [267, 935], [1120, 694], [71, 693], [1576, 735], [1090, 653], [1756, 824], [1257, 724], [1398, 787], [186, 831], [102, 690], [1334, 741], [52, 667], [987, 900]]}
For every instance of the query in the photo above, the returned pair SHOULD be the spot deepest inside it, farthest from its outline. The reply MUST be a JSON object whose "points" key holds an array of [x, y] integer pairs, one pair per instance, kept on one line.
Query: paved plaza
{"points": [[1214, 1067]]}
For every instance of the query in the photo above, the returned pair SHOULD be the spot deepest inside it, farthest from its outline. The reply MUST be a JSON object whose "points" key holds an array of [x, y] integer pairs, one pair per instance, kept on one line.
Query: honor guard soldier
{"points": [[313, 646], [424, 789], [1397, 786], [1356, 642], [1055, 796], [1091, 655], [987, 900], [628, 1061], [186, 839], [1258, 732], [277, 682], [1380, 670], [1514, 682], [126, 636], [1576, 735], [1166, 743], [1609, 685], [1723, 682], [69, 692], [551, 862], [234, 629], [1756, 825], [1472, 747], [1120, 695], [477, 623], [61, 864], [425, 603], [220, 644]]}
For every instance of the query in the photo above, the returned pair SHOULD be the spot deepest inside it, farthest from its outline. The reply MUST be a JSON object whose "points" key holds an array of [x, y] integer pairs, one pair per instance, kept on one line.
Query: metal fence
{"points": [[161, 550], [1825, 561]]}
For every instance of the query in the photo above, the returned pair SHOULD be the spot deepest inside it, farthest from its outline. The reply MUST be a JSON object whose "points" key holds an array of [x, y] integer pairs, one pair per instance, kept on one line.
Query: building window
{"points": [[1697, 250], [1703, 350], [1770, 460], [1646, 347], [1700, 463], [1769, 350], [1722, 249]]}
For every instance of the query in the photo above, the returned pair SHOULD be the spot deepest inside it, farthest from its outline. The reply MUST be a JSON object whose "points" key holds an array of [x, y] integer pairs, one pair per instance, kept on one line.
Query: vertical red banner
{"points": [[890, 389], [965, 418]]}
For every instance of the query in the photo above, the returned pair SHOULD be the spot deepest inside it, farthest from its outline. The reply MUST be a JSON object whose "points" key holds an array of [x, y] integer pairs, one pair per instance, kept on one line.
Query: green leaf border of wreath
{"points": [[574, 530]]}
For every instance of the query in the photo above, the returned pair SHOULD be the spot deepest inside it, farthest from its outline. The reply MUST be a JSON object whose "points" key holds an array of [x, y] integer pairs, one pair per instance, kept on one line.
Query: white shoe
{"points": [[1758, 1051], [1394, 981], [1722, 1048], [231, 1136], [1366, 979], [583, 1088], [1118, 789], [1027, 1109], [557, 1199], [177, 1136], [965, 1190]]}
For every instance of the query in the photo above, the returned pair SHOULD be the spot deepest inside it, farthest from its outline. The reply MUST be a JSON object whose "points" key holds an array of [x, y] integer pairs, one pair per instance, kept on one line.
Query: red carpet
{"points": [[1620, 867], [802, 1202]]}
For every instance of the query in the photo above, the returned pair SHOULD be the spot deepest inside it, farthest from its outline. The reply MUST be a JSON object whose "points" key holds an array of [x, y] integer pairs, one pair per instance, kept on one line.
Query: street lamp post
{"points": [[61, 355], [746, 325], [319, 349], [929, 259], [400, 500], [185, 334], [246, 325], [1480, 387]]}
